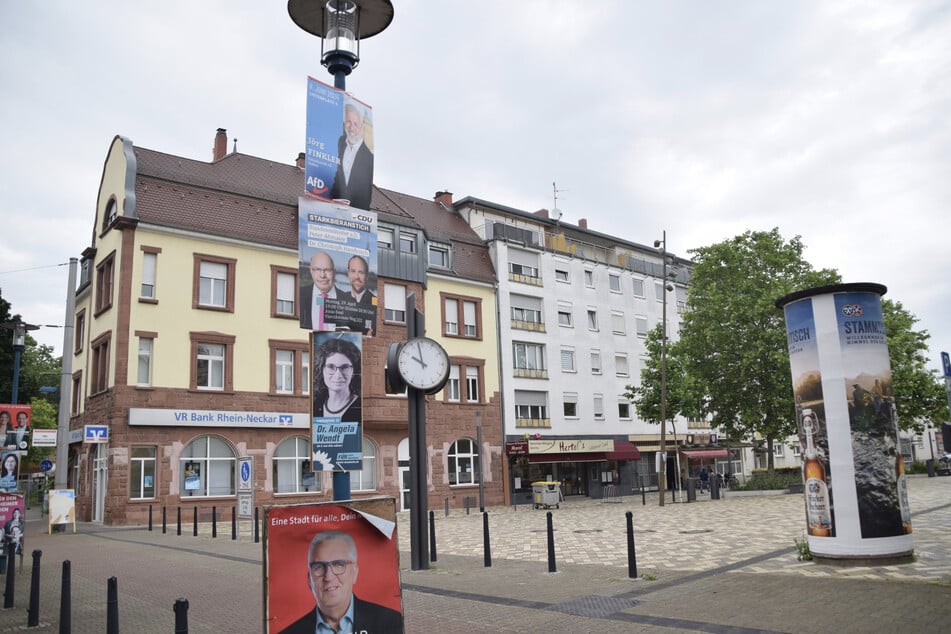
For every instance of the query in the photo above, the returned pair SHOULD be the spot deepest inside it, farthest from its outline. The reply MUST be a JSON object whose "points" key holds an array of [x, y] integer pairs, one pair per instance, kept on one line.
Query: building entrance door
{"points": [[100, 476], [402, 454]]}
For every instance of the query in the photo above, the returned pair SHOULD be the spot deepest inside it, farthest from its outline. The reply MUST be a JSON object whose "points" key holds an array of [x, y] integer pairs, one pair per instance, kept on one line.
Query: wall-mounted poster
{"points": [[62, 508], [192, 476]]}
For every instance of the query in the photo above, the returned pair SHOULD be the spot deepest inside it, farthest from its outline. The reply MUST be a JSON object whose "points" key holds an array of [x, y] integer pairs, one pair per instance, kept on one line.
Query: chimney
{"points": [[221, 144], [542, 212], [300, 161], [444, 198], [583, 223]]}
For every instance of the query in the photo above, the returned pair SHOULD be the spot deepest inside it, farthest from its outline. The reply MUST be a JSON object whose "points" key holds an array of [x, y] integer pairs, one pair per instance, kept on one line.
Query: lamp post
{"points": [[19, 329], [662, 466], [340, 25]]}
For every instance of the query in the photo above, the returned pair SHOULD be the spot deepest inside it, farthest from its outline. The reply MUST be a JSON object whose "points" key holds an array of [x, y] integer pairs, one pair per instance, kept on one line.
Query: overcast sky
{"points": [[827, 119]]}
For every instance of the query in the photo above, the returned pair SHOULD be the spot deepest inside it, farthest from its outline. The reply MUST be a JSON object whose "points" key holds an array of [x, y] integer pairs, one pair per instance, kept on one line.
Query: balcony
{"points": [[534, 326], [525, 279], [526, 373], [533, 423]]}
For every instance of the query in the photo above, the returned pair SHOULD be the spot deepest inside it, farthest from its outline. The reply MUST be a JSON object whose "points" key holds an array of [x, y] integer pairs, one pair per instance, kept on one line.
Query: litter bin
{"points": [[932, 472], [547, 494], [691, 489]]}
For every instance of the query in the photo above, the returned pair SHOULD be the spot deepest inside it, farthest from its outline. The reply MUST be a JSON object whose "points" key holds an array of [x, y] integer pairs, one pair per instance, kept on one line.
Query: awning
{"points": [[697, 454], [623, 450]]}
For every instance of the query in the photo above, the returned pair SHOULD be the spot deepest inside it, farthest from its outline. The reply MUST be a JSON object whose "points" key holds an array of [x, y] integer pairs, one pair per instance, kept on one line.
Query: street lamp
{"points": [[19, 329], [662, 467], [341, 24]]}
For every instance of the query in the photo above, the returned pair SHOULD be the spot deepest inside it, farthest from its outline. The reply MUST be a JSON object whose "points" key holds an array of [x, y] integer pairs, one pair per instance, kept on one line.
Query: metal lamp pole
{"points": [[662, 470]]}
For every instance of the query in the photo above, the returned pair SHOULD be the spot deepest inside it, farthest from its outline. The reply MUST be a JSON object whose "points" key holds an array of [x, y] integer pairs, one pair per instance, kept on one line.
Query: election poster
{"points": [[336, 405]]}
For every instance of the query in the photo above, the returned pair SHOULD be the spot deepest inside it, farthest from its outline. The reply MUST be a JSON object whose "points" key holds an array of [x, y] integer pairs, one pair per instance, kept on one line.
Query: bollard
{"points": [[11, 549], [640, 482], [447, 507], [150, 518], [234, 525], [179, 516], [33, 612], [485, 540], [465, 503], [195, 521], [112, 606], [714, 486], [65, 606], [551, 545], [673, 499], [181, 616], [164, 518], [214, 521], [631, 553], [432, 536], [257, 534]]}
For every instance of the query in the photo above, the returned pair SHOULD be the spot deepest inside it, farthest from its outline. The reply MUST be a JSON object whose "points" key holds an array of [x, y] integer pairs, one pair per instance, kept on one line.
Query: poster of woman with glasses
{"points": [[333, 565], [336, 411]]}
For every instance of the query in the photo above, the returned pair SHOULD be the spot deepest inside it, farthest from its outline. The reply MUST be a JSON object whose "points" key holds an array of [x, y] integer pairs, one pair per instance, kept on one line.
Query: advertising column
{"points": [[855, 493]]}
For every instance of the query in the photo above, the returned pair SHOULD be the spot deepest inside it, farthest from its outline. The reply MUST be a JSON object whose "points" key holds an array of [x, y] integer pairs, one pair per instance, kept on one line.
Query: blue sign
{"points": [[245, 471], [946, 362], [46, 465], [96, 433]]}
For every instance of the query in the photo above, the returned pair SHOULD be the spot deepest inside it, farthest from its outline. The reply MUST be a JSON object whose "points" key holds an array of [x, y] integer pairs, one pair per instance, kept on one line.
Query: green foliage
{"points": [[684, 395], [766, 480], [916, 467], [44, 417], [803, 550]]}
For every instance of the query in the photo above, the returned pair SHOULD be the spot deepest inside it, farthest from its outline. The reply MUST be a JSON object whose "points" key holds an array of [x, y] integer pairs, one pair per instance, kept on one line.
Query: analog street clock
{"points": [[423, 364]]}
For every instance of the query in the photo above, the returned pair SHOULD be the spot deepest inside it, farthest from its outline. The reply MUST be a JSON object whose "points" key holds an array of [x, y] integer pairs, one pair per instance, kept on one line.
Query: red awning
{"points": [[623, 450], [697, 454]]}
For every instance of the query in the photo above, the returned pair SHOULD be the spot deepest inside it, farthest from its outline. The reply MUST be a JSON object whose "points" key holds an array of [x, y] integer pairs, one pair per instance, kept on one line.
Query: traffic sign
{"points": [[246, 473], [946, 362], [46, 465]]}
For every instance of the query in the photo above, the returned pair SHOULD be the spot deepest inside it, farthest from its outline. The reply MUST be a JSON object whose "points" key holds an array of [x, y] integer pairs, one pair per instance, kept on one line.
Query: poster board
{"points": [[62, 508], [290, 599]]}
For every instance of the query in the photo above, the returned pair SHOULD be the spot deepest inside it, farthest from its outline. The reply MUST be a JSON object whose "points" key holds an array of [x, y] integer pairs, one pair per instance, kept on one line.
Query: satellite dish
{"points": [[556, 213]]}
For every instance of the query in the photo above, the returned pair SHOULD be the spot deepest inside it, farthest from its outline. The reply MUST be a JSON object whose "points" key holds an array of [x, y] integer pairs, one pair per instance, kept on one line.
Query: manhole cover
{"points": [[588, 530], [594, 606], [697, 531]]}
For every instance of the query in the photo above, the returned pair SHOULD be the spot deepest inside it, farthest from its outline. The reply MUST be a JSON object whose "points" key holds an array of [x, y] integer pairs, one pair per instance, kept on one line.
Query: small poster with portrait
{"points": [[335, 564], [192, 476], [15, 425], [336, 403], [9, 471]]}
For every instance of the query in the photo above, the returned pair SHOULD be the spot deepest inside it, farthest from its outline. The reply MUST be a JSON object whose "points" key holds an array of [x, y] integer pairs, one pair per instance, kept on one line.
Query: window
{"points": [[439, 255], [617, 322], [659, 292], [778, 449], [681, 307], [796, 449], [104, 279], [462, 460], [291, 467], [407, 242], [283, 292], [529, 359], [599, 407], [144, 368], [615, 281], [99, 381], [531, 409], [589, 279], [365, 479], [206, 468], [470, 309], [214, 283], [570, 400], [561, 275], [595, 362], [452, 385], [464, 384], [527, 313], [523, 267], [473, 394], [624, 410], [80, 334], [212, 361], [112, 212], [564, 315], [567, 360], [286, 356], [640, 325], [384, 238], [77, 396], [638, 285], [142, 473], [592, 319], [620, 364], [149, 262], [394, 303]]}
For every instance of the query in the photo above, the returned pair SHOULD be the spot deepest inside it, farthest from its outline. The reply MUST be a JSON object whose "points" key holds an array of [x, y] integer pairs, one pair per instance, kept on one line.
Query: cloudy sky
{"points": [[828, 119]]}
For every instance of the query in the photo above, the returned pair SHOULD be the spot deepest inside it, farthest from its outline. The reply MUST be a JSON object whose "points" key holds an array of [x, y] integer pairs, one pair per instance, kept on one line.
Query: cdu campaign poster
{"points": [[337, 252], [338, 161]]}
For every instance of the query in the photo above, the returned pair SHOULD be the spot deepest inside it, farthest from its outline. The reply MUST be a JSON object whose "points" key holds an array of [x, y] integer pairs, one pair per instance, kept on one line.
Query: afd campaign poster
{"points": [[337, 404], [337, 252], [338, 162]]}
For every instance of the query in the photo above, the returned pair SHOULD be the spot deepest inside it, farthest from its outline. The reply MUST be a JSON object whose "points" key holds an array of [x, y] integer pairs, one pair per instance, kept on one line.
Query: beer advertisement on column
{"points": [[810, 418]]}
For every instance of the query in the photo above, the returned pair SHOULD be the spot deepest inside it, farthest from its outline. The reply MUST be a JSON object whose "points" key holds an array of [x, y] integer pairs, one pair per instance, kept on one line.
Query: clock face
{"points": [[423, 364]]}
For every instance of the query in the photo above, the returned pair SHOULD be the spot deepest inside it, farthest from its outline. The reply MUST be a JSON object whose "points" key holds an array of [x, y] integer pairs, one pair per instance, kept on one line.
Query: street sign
{"points": [[245, 473], [96, 434], [46, 465], [946, 363], [245, 505]]}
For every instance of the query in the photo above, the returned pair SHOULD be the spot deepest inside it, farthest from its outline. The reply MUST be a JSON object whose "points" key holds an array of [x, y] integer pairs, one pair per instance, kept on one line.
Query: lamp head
{"points": [[657, 244], [341, 24]]}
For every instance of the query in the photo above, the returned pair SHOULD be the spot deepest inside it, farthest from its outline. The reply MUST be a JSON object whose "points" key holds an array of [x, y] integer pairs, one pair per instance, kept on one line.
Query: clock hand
{"points": [[419, 350]]}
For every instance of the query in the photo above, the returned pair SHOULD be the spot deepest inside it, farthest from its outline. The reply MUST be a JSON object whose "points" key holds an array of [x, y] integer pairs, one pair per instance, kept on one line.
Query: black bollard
{"points": [[257, 534], [11, 549], [179, 514], [466, 504], [432, 536], [112, 606], [150, 518], [164, 513], [65, 602], [214, 521], [234, 525], [447, 507], [181, 616], [631, 553], [195, 522], [485, 540], [551, 544], [643, 496], [33, 612]]}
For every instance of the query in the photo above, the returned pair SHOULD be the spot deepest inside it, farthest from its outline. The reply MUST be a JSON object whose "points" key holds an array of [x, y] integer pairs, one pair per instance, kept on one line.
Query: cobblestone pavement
{"points": [[724, 565]]}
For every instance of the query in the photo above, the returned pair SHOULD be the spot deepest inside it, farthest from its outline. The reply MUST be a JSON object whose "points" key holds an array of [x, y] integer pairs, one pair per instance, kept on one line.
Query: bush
{"points": [[763, 480], [916, 467]]}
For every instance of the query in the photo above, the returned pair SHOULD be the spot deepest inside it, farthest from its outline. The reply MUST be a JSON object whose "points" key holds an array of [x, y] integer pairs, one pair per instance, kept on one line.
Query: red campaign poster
{"points": [[297, 572]]}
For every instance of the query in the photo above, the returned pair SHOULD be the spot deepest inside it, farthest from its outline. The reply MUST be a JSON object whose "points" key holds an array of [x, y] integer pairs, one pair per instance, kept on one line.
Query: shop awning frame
{"points": [[699, 454]]}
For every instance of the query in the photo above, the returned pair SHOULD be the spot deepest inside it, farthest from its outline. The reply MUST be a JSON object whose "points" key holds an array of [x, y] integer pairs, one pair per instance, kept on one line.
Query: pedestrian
{"points": [[704, 478]]}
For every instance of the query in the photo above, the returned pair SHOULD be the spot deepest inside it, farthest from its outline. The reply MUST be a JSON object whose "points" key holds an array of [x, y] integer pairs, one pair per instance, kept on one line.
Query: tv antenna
{"points": [[554, 206]]}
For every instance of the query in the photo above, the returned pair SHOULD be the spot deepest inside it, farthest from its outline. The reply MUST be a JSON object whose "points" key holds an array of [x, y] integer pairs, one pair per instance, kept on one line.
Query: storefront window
{"points": [[142, 476], [365, 480], [207, 468], [462, 458], [291, 468]]}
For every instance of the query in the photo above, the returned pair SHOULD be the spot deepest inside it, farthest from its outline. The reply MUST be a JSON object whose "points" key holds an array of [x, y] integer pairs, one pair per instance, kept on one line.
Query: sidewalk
{"points": [[714, 566]]}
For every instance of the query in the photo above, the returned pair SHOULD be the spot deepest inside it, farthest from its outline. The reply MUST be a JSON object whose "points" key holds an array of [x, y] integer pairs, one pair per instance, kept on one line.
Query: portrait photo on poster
{"points": [[327, 564], [336, 402], [9, 469]]}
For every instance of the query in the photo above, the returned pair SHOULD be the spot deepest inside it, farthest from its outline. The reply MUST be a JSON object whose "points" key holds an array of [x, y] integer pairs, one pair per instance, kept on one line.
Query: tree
{"points": [[919, 394], [684, 395], [44, 417], [733, 339]]}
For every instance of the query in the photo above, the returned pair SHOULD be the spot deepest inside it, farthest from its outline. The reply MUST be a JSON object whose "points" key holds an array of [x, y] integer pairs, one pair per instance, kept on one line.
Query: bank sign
{"points": [[217, 418]]}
